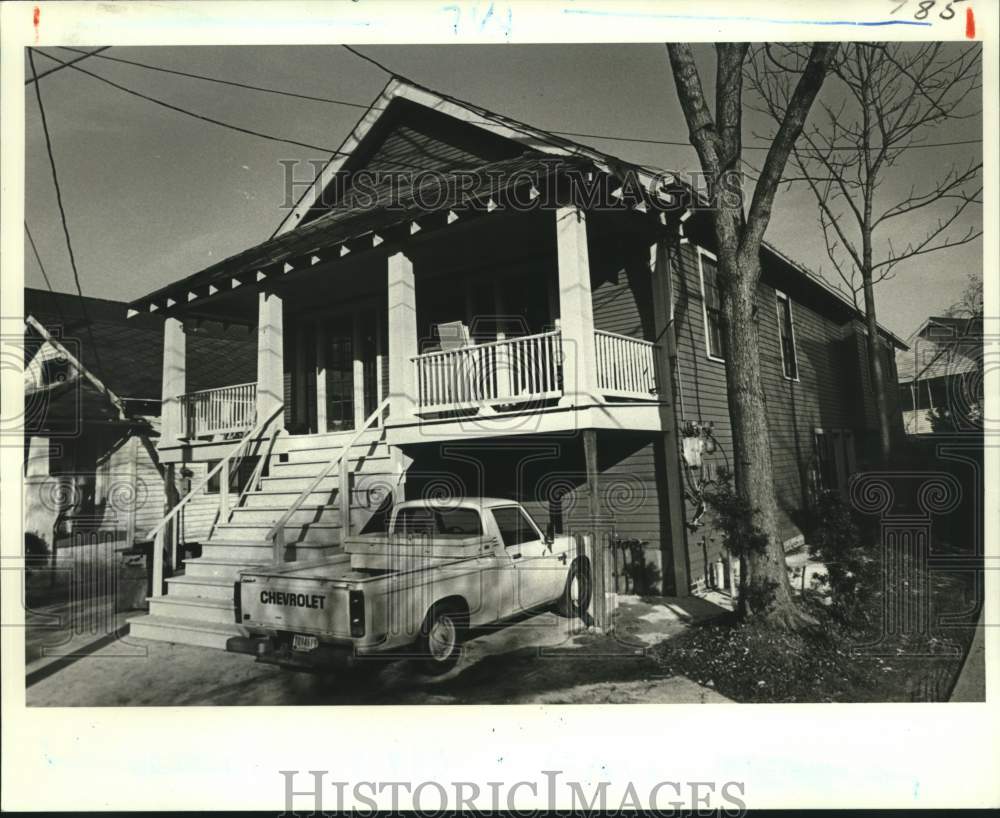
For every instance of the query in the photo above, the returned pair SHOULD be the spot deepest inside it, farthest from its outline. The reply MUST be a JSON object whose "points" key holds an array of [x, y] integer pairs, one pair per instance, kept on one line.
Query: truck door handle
{"points": [[515, 556], [562, 558]]}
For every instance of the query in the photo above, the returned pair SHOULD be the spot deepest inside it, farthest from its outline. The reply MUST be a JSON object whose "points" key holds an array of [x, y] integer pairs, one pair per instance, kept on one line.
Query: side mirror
{"points": [[550, 532]]}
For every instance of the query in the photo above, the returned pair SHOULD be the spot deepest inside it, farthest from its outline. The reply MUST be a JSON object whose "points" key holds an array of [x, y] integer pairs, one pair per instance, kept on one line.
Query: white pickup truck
{"points": [[440, 570]]}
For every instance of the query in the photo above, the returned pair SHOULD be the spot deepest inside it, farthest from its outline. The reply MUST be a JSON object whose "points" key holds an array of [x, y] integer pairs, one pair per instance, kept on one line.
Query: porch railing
{"points": [[626, 366], [515, 370], [225, 410]]}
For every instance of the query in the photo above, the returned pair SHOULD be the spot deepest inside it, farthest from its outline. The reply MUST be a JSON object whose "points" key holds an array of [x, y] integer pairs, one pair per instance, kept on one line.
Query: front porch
{"points": [[458, 347]]}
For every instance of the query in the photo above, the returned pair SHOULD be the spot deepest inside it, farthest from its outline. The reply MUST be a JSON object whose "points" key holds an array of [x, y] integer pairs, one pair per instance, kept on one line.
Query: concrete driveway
{"points": [[539, 659]]}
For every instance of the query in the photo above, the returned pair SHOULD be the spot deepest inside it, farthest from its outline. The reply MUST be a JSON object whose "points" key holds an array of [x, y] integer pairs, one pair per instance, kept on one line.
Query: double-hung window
{"points": [[711, 304], [786, 331]]}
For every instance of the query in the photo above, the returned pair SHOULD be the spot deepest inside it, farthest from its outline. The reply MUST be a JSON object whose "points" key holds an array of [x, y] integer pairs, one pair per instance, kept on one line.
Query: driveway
{"points": [[539, 659]]}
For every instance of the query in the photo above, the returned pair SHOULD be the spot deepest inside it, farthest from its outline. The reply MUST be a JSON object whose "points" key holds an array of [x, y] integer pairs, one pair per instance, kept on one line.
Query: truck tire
{"points": [[575, 599], [440, 642]]}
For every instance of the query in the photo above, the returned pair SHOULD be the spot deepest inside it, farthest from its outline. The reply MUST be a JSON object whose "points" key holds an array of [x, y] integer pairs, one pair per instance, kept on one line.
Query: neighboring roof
{"points": [[942, 346], [126, 354]]}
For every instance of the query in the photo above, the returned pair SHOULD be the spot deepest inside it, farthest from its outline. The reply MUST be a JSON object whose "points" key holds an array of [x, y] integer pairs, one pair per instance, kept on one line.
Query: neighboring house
{"points": [[91, 422], [940, 376], [532, 345]]}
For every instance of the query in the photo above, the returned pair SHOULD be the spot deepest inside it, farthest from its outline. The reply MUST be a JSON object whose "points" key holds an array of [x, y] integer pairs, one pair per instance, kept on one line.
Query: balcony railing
{"points": [[226, 410], [516, 370], [626, 366], [528, 369]]}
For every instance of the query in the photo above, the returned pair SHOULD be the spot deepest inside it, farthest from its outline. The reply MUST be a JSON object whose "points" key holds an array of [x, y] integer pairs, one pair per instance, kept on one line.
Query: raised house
{"points": [[528, 318]]}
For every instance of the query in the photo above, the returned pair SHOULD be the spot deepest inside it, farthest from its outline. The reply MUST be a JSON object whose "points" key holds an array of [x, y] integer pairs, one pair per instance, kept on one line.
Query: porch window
{"points": [[787, 333], [711, 304]]}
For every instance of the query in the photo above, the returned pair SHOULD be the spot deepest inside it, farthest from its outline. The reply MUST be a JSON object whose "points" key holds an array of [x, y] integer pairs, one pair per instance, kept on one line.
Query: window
{"points": [[787, 333], [421, 520], [711, 304], [515, 527]]}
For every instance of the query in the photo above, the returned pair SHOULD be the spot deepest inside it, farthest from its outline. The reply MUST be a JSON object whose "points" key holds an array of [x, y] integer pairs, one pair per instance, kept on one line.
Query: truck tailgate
{"points": [[300, 604]]}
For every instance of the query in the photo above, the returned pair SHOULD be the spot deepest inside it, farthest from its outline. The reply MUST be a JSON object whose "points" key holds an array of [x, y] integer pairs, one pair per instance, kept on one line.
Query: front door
{"points": [[340, 352]]}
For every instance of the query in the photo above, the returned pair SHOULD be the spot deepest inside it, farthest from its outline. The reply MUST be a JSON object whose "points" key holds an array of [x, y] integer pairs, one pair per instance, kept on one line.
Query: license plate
{"points": [[304, 643]]}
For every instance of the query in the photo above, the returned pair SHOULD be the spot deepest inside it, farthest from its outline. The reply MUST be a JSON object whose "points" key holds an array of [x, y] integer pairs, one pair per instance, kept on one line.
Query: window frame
{"points": [[704, 303], [780, 296], [524, 514]]}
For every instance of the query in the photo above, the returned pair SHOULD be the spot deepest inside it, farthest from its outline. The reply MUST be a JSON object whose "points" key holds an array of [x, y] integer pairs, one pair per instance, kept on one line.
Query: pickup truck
{"points": [[441, 569]]}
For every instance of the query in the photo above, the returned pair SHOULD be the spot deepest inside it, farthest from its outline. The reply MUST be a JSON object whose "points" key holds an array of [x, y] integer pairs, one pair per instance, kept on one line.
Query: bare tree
{"points": [[892, 97], [738, 235]]}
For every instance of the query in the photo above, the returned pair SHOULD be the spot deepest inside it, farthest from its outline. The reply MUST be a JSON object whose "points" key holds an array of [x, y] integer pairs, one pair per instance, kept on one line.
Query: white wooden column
{"points": [[321, 344], [173, 383], [403, 344], [270, 354], [576, 309], [359, 370], [301, 410]]}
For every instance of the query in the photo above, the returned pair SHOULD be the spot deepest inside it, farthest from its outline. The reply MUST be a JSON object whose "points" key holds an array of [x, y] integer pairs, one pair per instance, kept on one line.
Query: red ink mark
{"points": [[37, 16], [970, 24]]}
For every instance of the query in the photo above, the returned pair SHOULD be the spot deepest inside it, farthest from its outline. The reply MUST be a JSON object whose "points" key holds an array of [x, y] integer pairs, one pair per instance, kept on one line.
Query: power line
{"points": [[233, 83], [65, 65], [192, 114], [62, 210], [364, 107], [38, 258]]}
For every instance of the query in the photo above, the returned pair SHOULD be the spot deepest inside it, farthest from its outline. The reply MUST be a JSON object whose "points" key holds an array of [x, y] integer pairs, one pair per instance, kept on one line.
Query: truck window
{"points": [[422, 521], [515, 528]]}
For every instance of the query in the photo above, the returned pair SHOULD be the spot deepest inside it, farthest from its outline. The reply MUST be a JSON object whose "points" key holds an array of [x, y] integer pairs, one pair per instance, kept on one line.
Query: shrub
{"points": [[839, 542]]}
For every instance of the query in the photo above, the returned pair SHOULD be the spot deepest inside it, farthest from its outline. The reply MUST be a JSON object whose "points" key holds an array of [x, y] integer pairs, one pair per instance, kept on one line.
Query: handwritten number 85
{"points": [[925, 7]]}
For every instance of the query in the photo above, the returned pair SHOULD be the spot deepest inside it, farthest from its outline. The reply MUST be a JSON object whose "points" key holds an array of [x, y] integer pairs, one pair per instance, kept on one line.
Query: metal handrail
{"points": [[277, 532]]}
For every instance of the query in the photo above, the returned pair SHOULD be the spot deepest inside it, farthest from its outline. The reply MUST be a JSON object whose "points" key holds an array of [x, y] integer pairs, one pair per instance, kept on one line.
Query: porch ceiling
{"points": [[395, 203]]}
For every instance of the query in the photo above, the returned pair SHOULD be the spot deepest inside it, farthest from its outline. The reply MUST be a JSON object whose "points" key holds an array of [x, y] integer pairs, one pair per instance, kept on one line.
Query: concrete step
{"points": [[297, 483], [270, 515], [268, 498], [194, 609], [227, 568], [312, 466], [322, 533], [160, 628], [203, 588], [330, 440], [254, 551]]}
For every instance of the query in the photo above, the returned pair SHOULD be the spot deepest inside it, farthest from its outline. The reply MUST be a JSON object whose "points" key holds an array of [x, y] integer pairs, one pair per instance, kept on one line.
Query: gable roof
{"points": [[305, 231]]}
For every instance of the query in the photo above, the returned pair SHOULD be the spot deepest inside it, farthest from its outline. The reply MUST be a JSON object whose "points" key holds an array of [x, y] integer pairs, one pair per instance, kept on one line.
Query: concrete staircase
{"points": [[197, 608]]}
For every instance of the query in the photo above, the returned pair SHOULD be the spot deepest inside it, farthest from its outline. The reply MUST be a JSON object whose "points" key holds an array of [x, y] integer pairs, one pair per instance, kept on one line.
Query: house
{"points": [[940, 376], [462, 304], [91, 424]]}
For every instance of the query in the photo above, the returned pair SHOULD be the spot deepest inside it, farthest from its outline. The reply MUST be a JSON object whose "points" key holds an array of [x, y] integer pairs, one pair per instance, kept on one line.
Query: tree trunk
{"points": [[877, 374], [764, 573]]}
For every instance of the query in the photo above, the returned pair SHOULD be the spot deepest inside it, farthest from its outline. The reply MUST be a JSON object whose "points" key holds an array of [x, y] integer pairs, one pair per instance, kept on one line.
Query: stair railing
{"points": [[277, 533], [159, 531]]}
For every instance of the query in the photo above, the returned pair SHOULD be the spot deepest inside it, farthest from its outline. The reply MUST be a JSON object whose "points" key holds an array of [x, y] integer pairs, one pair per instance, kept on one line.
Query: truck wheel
{"points": [[575, 599], [441, 639]]}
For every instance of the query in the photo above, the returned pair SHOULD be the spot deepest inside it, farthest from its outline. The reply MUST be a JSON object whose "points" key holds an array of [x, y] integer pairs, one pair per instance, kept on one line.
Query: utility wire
{"points": [[38, 260], [364, 107], [186, 112], [65, 65], [233, 83], [62, 210]]}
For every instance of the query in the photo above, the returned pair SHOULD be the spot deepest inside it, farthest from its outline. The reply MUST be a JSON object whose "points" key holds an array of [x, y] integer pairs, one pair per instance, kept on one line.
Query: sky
{"points": [[152, 196]]}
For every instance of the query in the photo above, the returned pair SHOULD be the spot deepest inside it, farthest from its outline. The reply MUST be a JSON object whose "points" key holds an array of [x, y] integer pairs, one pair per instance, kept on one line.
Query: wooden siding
{"points": [[546, 473]]}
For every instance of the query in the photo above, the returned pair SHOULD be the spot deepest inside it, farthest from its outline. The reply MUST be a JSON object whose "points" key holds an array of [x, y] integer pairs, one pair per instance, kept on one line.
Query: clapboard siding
{"points": [[832, 392]]}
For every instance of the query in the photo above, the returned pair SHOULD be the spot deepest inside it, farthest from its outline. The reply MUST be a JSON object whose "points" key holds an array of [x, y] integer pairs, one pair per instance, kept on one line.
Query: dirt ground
{"points": [[540, 659]]}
